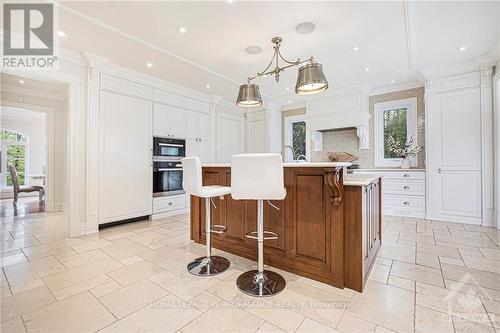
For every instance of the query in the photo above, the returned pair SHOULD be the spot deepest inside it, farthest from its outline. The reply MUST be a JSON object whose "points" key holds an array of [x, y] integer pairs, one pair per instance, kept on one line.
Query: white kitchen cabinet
{"points": [[403, 191], [198, 148], [169, 121], [454, 158], [197, 125], [125, 173]]}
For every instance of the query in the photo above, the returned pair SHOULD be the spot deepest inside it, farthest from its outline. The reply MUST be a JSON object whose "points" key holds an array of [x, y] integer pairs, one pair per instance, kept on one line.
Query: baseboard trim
{"points": [[168, 214]]}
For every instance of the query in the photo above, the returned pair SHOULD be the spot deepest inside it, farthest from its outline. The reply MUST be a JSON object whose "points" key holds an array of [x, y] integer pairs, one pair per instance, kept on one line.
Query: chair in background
{"points": [[26, 189]]}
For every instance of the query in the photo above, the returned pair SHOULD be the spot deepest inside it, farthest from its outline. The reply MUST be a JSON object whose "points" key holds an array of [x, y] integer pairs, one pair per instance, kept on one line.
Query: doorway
{"points": [[23, 158]]}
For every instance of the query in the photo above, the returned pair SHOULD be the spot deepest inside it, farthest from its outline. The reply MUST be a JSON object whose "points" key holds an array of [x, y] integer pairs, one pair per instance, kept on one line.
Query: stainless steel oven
{"points": [[166, 149], [167, 178]]}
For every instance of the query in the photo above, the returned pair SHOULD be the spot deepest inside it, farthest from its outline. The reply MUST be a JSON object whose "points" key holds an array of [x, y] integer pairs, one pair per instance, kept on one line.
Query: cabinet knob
{"points": [[406, 175], [439, 170], [406, 203], [406, 187], [170, 204]]}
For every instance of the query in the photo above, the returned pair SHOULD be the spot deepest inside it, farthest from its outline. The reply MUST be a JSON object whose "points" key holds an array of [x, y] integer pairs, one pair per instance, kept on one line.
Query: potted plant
{"points": [[403, 149]]}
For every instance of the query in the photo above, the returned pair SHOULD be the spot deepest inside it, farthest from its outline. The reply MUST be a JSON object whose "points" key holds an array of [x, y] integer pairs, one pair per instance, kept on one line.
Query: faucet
{"points": [[301, 156], [283, 151]]}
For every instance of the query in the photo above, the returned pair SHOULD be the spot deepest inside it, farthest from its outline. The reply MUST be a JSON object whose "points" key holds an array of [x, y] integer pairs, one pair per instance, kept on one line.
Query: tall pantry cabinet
{"points": [[459, 153]]}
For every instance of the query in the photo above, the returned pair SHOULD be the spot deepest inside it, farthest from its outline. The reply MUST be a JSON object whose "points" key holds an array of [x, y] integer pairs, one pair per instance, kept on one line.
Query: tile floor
{"points": [[429, 277]]}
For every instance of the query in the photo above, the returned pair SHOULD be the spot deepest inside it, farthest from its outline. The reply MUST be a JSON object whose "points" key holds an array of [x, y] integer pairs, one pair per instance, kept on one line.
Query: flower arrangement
{"points": [[403, 149]]}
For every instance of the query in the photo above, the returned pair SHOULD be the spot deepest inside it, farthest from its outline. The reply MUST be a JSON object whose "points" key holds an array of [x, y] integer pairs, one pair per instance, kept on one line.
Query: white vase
{"points": [[405, 163]]}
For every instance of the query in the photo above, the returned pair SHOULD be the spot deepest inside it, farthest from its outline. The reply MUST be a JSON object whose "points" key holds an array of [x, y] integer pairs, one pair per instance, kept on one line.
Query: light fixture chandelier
{"points": [[310, 79]]}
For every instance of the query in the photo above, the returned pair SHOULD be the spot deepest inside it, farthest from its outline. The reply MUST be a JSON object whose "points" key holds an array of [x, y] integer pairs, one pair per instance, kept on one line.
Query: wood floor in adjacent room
{"points": [[429, 277]]}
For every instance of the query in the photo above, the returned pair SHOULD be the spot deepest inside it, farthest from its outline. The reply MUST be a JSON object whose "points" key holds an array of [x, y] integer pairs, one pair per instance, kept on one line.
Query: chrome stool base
{"points": [[253, 284], [203, 266]]}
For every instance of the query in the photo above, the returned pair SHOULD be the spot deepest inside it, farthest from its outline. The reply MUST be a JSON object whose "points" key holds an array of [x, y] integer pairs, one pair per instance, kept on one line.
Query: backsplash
{"points": [[347, 140]]}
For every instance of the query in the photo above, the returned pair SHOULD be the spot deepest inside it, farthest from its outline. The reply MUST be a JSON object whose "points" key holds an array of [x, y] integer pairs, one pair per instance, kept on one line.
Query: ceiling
{"points": [[26, 86], [396, 40]]}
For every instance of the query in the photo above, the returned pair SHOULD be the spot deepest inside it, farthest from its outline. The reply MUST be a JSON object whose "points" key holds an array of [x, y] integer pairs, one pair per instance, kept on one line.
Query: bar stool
{"points": [[192, 183], [259, 177]]}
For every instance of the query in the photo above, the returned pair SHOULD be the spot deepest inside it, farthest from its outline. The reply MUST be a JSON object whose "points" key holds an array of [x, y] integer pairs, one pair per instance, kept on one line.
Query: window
{"points": [[397, 119], [14, 152], [295, 137]]}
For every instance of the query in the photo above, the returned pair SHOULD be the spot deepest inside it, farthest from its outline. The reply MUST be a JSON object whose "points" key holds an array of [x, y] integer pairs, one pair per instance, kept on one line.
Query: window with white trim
{"points": [[14, 151], [398, 119], [296, 137]]}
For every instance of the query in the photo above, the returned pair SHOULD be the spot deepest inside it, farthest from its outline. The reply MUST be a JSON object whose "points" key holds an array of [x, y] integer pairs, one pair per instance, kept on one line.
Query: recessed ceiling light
{"points": [[182, 30], [253, 49], [21, 81], [149, 65], [229, 1], [355, 48], [462, 48], [305, 28], [289, 102], [393, 81], [287, 88], [207, 86], [61, 33], [367, 69]]}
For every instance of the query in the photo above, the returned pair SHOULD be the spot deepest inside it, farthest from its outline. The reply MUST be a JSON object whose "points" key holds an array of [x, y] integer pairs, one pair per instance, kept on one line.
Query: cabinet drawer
{"points": [[396, 186], [402, 175], [167, 204], [401, 203], [396, 174]]}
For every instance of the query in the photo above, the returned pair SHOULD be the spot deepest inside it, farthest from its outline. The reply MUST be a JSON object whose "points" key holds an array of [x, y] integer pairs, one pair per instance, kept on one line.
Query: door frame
{"points": [[50, 204], [496, 145], [75, 149]]}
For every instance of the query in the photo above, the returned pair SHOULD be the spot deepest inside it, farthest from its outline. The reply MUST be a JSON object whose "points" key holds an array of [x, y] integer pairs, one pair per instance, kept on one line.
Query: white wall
{"points": [[496, 133]]}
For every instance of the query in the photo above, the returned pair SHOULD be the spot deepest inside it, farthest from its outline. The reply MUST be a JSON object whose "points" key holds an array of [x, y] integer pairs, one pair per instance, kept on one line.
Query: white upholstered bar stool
{"points": [[259, 177], [192, 183]]}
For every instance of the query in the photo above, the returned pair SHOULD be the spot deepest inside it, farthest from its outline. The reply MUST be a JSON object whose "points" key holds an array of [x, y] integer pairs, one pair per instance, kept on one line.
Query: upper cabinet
{"points": [[197, 126], [169, 121]]}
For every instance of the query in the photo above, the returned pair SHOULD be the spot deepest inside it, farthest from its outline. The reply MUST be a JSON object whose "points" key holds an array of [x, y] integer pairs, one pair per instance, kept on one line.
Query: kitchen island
{"points": [[309, 222]]}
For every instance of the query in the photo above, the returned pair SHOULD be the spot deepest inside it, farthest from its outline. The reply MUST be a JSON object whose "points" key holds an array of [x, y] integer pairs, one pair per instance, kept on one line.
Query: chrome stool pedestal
{"points": [[261, 282]]}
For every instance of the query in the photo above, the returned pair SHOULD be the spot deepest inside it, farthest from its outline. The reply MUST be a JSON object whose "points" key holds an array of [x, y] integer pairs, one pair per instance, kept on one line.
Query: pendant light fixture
{"points": [[310, 78]]}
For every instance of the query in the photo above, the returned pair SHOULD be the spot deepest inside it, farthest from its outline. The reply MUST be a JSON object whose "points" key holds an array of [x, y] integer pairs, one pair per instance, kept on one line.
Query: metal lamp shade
{"points": [[311, 79], [249, 95]]}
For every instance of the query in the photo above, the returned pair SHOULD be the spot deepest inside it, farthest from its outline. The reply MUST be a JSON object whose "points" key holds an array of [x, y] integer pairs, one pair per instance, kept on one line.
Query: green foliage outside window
{"points": [[395, 127], [16, 155], [299, 138]]}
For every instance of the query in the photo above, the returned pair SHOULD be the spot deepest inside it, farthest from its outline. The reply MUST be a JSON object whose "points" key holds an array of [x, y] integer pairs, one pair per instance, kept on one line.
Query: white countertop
{"points": [[289, 165], [389, 169], [360, 180]]}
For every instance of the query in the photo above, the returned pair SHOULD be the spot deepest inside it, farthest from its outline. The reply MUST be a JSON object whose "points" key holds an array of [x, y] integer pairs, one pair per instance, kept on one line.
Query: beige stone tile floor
{"points": [[429, 277]]}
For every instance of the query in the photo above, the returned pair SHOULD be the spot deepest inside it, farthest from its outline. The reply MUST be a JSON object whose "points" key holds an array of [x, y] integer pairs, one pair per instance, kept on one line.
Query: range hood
{"points": [[340, 112]]}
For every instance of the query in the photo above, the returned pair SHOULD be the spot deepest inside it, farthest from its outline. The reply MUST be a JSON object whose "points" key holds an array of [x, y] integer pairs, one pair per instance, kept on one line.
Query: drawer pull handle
{"points": [[170, 203], [406, 175], [406, 187], [406, 203]]}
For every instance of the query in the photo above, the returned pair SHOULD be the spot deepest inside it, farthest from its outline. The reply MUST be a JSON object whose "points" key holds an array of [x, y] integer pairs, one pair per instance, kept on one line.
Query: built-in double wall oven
{"points": [[167, 168]]}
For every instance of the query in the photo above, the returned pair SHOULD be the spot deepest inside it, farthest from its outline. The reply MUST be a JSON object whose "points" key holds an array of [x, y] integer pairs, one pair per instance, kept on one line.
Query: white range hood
{"points": [[340, 112]]}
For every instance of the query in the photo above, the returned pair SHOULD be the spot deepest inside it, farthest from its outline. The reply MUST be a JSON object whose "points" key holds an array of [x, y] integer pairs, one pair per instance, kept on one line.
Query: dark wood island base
{"points": [[310, 224]]}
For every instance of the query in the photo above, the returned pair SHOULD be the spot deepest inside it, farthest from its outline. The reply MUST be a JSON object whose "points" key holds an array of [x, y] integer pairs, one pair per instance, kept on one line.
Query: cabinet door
{"points": [[204, 126], [454, 165], [125, 174], [204, 151], [178, 122], [161, 120], [191, 125], [191, 148]]}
